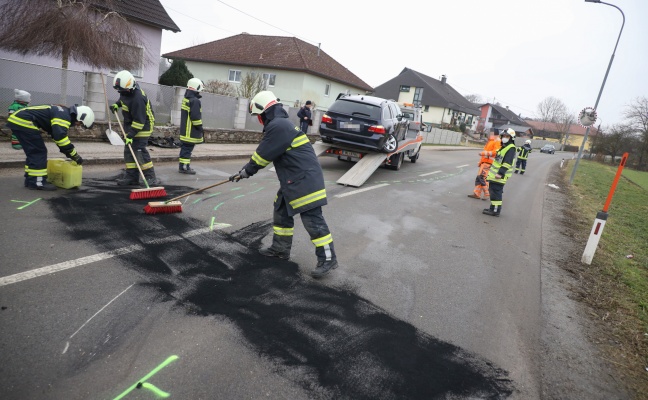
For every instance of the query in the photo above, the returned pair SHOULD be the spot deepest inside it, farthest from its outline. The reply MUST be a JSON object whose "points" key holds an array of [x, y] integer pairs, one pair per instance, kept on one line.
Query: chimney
{"points": [[507, 107], [443, 79]]}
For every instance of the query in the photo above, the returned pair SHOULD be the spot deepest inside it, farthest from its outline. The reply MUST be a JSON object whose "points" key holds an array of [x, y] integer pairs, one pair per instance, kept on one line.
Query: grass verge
{"points": [[615, 285]]}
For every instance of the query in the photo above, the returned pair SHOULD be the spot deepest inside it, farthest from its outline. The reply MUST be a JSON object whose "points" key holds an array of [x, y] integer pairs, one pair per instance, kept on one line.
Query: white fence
{"points": [[441, 136]]}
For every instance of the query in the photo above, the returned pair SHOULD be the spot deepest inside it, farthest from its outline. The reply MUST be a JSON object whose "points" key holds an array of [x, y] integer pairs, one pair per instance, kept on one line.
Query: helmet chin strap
{"points": [[260, 119]]}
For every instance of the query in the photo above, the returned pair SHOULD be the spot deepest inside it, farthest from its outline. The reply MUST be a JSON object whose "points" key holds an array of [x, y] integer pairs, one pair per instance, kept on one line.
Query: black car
{"points": [[364, 121], [548, 148]]}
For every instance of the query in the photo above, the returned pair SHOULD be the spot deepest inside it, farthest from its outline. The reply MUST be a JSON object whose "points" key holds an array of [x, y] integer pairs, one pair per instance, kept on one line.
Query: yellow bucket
{"points": [[64, 173]]}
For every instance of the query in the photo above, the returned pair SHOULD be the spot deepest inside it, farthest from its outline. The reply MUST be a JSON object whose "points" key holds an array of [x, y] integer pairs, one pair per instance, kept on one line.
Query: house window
{"points": [[131, 52], [426, 108], [234, 75], [404, 88], [418, 95], [269, 80], [327, 89]]}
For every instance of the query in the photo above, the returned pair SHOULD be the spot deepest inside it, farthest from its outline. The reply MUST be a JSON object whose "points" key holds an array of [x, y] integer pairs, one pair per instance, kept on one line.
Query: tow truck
{"points": [[367, 162]]}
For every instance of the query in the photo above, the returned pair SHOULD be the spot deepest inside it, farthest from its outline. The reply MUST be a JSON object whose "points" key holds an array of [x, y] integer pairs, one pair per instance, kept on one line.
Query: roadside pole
{"points": [[601, 217]]}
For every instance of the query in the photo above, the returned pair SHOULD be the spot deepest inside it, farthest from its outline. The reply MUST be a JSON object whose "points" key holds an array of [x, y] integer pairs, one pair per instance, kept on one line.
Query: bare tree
{"points": [[220, 87], [564, 123], [616, 141], [473, 98], [251, 84], [636, 114], [550, 110], [89, 32]]}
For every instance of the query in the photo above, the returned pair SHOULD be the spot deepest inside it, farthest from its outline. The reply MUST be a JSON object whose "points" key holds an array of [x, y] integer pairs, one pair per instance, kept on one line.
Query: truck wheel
{"points": [[391, 144], [396, 160], [413, 159]]}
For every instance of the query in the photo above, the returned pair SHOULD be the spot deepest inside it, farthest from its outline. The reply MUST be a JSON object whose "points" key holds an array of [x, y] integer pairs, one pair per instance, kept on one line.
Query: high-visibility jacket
{"points": [[502, 165], [137, 112], [191, 128], [55, 120], [288, 148], [523, 151], [490, 149]]}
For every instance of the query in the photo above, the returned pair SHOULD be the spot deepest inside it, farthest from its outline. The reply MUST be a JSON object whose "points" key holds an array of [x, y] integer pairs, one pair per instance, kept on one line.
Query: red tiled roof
{"points": [[280, 52], [574, 129]]}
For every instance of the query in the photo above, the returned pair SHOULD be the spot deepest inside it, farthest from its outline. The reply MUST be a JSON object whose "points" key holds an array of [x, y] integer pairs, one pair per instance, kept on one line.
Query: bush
{"points": [[177, 75]]}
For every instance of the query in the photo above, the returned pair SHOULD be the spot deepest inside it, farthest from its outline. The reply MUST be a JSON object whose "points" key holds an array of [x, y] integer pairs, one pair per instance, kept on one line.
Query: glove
{"points": [[241, 175], [114, 108], [77, 159], [128, 140]]}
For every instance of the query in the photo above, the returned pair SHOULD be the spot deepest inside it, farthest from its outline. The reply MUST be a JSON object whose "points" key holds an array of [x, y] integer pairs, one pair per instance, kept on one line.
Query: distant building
{"points": [[441, 104], [292, 69], [496, 116]]}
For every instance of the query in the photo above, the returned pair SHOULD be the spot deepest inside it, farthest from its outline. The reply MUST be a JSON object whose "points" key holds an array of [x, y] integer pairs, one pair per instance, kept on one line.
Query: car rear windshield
{"points": [[353, 108]]}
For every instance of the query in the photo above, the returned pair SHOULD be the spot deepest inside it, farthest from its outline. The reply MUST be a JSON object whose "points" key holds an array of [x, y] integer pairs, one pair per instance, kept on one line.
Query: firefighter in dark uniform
{"points": [[191, 128], [301, 180], [522, 156], [501, 170], [56, 120], [138, 124]]}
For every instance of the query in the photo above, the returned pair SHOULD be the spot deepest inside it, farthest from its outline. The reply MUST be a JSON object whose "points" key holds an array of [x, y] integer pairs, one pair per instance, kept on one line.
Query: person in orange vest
{"points": [[481, 184]]}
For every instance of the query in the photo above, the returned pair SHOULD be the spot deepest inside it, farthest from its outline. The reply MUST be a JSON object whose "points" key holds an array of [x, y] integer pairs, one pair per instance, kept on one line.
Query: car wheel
{"points": [[391, 144], [413, 159], [396, 160]]}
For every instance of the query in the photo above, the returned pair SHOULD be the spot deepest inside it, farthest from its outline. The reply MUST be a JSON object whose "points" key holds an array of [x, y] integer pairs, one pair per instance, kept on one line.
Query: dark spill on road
{"points": [[327, 340]]}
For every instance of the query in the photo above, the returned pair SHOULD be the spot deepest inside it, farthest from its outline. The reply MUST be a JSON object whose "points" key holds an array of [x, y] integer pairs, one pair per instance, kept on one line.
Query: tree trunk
{"points": [[65, 56]]}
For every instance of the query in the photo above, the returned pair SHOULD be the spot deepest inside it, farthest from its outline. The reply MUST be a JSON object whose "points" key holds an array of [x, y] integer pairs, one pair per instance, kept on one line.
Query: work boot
{"points": [[39, 183], [130, 178], [474, 196], [152, 180], [270, 252], [516, 172], [493, 211], [323, 268], [522, 173], [186, 169]]}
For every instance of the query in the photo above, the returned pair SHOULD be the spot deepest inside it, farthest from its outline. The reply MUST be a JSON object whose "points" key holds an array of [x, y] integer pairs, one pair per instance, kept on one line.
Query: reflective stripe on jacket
{"points": [[299, 172], [503, 163], [55, 120], [137, 112], [191, 128], [523, 151]]}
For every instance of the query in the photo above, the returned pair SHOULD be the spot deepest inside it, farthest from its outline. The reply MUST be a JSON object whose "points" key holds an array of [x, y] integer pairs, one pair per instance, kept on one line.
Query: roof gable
{"points": [[435, 92], [147, 11], [508, 114], [279, 52]]}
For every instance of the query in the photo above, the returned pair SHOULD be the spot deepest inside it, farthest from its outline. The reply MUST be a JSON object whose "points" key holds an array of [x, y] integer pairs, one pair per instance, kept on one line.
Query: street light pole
{"points": [[580, 150]]}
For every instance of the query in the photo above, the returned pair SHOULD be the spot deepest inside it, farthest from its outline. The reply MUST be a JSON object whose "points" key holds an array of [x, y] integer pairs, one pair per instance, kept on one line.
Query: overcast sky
{"points": [[515, 52]]}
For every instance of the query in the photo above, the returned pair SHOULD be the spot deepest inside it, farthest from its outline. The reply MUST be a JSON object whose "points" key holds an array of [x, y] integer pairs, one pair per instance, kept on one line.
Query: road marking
{"points": [[67, 344], [465, 165], [29, 203], [62, 266], [143, 384], [361, 190], [430, 173]]}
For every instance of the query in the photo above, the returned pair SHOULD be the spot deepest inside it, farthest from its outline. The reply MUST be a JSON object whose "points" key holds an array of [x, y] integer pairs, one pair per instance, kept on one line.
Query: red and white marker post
{"points": [[601, 217]]}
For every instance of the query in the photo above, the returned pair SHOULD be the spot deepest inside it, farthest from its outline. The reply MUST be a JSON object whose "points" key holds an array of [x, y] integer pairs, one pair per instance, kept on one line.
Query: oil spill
{"points": [[329, 341]]}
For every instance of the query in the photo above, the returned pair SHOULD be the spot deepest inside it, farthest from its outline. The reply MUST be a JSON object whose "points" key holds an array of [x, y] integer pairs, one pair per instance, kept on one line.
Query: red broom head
{"points": [[161, 207], [148, 193]]}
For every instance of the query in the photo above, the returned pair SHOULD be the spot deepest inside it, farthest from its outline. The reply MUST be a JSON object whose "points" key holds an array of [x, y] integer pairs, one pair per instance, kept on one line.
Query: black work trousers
{"points": [[34, 147], [142, 154]]}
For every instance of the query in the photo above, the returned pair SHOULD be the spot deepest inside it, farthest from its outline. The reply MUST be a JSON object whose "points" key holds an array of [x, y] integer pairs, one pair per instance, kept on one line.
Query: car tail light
{"points": [[326, 119], [377, 129]]}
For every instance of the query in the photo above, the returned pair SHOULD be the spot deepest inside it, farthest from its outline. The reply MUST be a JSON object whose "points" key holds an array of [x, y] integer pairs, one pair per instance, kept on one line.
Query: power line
{"points": [[195, 19]]}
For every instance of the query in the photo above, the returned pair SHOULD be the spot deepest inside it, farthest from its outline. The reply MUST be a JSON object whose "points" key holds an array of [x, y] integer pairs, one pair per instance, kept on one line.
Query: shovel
{"points": [[113, 136]]}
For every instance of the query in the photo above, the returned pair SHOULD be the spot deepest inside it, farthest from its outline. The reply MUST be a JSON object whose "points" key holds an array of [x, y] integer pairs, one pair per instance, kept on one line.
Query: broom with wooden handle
{"points": [[149, 192], [173, 206]]}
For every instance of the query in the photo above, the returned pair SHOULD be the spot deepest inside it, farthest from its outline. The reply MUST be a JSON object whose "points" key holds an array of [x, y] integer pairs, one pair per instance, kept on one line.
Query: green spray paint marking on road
{"points": [[236, 188], [218, 225], [197, 200], [29, 203], [212, 195], [219, 204], [261, 188], [143, 384], [211, 226], [238, 197]]}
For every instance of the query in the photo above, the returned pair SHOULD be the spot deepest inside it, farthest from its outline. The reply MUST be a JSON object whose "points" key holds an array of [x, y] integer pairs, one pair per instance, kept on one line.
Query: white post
{"points": [[178, 95], [594, 237]]}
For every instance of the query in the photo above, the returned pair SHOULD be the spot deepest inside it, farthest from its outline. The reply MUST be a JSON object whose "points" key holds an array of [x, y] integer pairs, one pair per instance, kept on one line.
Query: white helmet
{"points": [[262, 101], [84, 114], [527, 141], [509, 132], [195, 84], [124, 81], [22, 96]]}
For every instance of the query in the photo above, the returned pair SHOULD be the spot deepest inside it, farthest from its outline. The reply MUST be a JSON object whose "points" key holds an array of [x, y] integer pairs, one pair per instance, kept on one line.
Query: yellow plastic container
{"points": [[64, 173]]}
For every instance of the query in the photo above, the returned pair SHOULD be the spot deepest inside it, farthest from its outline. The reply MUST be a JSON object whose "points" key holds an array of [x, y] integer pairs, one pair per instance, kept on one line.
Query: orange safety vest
{"points": [[491, 148]]}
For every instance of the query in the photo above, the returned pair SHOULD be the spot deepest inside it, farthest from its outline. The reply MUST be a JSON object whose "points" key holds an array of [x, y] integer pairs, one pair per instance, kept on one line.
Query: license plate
{"points": [[350, 126], [350, 153]]}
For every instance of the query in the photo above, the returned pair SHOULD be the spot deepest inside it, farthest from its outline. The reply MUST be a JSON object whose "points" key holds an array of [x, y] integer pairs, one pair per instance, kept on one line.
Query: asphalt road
{"points": [[432, 298]]}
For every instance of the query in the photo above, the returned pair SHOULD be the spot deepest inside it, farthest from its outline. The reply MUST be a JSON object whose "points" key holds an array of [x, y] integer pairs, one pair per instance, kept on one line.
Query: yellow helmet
{"points": [[195, 84], [262, 101], [124, 81]]}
